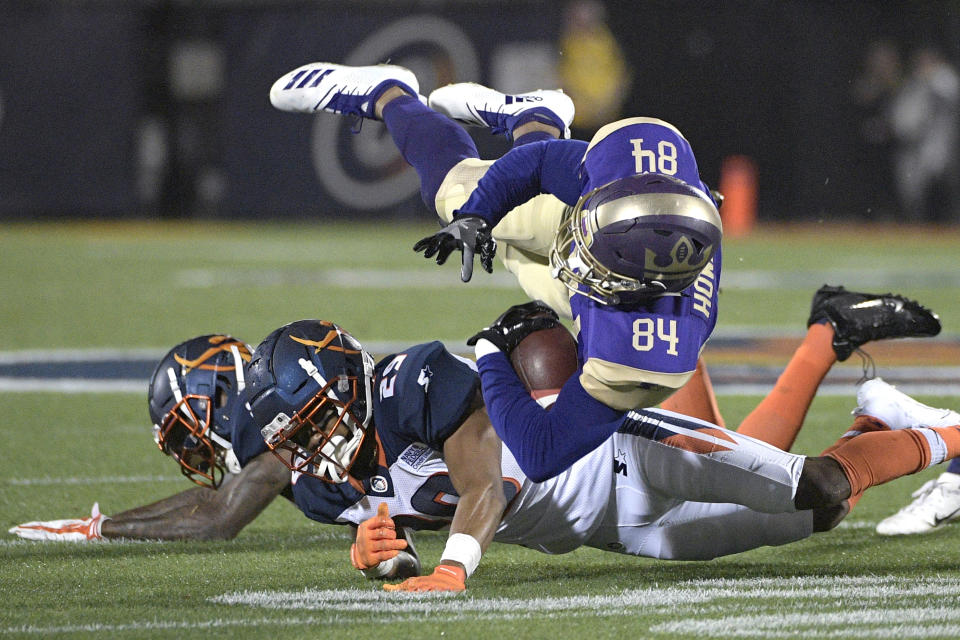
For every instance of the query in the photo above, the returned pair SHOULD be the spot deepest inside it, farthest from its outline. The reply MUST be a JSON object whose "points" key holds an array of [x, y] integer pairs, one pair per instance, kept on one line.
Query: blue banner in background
{"points": [[116, 109], [160, 109], [71, 83]]}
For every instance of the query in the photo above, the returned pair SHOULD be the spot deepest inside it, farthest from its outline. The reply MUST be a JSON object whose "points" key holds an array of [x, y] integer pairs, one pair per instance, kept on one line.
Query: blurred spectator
{"points": [[592, 67], [924, 118], [873, 92]]}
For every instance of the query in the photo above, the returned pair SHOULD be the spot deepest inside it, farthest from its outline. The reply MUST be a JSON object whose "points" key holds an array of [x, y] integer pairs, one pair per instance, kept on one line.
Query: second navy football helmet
{"points": [[636, 238], [191, 395], [310, 394]]}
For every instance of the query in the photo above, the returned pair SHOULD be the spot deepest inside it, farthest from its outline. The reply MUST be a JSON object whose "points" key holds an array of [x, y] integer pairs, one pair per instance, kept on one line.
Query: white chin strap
{"points": [[177, 393], [231, 462], [340, 449], [238, 368]]}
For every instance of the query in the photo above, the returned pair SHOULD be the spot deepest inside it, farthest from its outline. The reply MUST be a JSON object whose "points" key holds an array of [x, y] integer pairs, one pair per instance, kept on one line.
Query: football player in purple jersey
{"points": [[620, 235]]}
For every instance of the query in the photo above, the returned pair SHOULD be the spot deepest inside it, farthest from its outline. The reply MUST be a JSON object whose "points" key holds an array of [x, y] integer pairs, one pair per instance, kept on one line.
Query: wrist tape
{"points": [[484, 347], [463, 548]]}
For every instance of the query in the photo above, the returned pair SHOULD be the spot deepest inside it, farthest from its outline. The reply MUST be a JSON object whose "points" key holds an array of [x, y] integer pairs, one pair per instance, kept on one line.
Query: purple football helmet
{"points": [[636, 238]]}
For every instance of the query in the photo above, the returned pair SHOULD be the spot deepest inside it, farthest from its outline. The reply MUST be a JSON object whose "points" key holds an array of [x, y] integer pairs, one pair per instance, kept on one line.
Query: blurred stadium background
{"points": [[149, 193], [158, 108]]}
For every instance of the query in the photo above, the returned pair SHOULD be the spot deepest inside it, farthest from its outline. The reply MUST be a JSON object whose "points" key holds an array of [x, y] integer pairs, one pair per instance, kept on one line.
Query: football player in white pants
{"points": [[662, 485], [640, 337]]}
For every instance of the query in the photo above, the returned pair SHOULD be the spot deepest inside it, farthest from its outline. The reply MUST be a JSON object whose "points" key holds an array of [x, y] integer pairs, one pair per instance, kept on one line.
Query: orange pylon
{"points": [[738, 184]]}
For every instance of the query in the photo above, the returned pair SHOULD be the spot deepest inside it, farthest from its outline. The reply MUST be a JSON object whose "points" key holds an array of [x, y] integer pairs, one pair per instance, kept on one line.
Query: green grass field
{"points": [[147, 286]]}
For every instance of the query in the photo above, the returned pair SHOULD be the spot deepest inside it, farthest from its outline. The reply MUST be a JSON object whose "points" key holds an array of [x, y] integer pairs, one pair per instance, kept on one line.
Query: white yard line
{"points": [[73, 480], [814, 607], [29, 356], [71, 385], [436, 279]]}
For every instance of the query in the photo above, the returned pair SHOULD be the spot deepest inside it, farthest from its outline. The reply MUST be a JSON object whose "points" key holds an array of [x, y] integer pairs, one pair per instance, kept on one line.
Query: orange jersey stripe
{"points": [[692, 444]]}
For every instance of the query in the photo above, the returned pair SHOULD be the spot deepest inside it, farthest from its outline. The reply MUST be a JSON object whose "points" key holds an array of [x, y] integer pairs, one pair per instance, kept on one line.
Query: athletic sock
{"points": [[536, 114], [696, 398], [951, 442], [861, 424], [779, 416], [873, 458], [429, 141]]}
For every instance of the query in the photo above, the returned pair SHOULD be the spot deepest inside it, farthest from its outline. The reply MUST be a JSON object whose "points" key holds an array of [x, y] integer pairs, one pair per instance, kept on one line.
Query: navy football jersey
{"points": [[421, 396]]}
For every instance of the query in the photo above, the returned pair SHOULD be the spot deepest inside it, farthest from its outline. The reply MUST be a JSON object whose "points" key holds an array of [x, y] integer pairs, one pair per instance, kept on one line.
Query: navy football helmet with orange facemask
{"points": [[309, 392], [193, 395]]}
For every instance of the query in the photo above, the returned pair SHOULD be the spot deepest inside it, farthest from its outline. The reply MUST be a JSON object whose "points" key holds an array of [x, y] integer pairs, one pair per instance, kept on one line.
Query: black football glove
{"points": [[516, 323], [468, 233]]}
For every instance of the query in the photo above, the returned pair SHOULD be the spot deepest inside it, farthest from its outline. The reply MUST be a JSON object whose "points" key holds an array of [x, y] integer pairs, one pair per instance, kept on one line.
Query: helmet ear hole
{"points": [[223, 392], [220, 398], [302, 384]]}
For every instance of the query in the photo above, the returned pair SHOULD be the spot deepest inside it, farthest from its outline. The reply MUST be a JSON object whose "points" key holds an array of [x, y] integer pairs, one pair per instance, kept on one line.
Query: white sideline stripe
{"points": [[857, 524], [447, 278], [869, 589], [855, 624], [848, 390], [22, 542], [48, 481], [938, 380], [326, 536], [339, 278], [71, 385], [29, 356], [87, 385], [872, 606], [34, 356]]}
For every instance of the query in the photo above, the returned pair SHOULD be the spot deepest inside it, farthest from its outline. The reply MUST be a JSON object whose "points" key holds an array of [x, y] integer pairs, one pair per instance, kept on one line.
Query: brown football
{"points": [[544, 361]]}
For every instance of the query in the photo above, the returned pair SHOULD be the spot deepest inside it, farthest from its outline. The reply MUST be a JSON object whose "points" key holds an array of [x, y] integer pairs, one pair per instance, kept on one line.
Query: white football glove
{"points": [[75, 530]]}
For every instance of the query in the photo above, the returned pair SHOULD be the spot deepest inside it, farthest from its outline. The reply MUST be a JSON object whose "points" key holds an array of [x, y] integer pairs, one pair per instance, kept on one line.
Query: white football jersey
{"points": [[652, 490]]}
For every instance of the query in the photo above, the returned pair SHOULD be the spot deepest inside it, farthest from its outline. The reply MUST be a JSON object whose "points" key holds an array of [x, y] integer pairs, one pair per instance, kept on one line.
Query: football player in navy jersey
{"points": [[195, 402], [620, 235], [407, 443], [408, 435]]}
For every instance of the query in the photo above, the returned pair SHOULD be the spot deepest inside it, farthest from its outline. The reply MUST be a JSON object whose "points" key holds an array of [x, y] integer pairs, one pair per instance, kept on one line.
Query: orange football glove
{"points": [[376, 540], [444, 578], [72, 530]]}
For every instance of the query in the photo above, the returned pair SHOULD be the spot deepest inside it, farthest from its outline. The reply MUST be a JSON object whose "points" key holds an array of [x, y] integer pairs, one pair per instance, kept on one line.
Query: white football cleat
{"points": [[936, 503], [897, 410], [337, 88], [475, 104]]}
